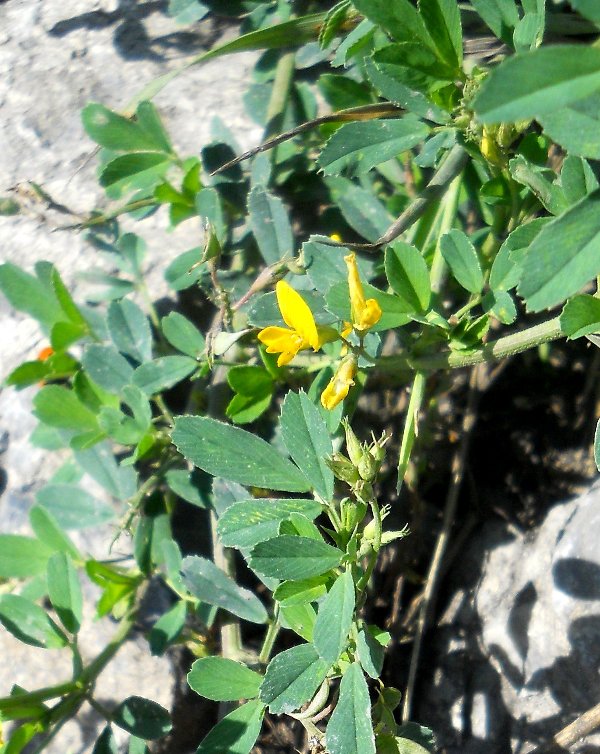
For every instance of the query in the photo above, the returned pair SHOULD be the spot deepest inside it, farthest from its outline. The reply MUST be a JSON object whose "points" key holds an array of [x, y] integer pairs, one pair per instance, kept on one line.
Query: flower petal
{"points": [[370, 315], [297, 314], [340, 384], [357, 294], [283, 341]]}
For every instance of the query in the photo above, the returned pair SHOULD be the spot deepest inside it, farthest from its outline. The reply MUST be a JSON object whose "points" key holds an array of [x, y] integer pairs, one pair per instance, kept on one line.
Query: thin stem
{"points": [[495, 350], [270, 637], [410, 426], [9, 703]]}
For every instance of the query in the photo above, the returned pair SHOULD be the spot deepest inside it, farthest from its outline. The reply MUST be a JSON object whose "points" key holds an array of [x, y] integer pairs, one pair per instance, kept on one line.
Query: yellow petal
{"points": [[357, 294], [281, 340], [370, 315], [296, 313], [340, 383]]}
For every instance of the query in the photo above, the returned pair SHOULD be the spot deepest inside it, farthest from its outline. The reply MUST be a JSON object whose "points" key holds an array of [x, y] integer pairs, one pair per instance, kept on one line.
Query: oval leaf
{"points": [[292, 678], [223, 680], [306, 437], [334, 619], [209, 584], [249, 522], [64, 591], [235, 454], [142, 717], [350, 730], [291, 558], [408, 274], [461, 257], [29, 623], [236, 733]]}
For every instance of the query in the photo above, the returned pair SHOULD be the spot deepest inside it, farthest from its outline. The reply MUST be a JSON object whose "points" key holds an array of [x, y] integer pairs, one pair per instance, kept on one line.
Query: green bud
{"points": [[368, 467], [352, 512], [342, 468], [377, 448], [353, 446]]}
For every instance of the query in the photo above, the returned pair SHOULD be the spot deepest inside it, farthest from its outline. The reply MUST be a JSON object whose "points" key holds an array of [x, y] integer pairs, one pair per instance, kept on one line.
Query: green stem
{"points": [[270, 637], [93, 670], [496, 350], [410, 426], [9, 703]]}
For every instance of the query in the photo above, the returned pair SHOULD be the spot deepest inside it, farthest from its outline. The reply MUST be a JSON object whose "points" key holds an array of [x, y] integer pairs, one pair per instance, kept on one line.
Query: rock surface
{"points": [[517, 654], [54, 58]]}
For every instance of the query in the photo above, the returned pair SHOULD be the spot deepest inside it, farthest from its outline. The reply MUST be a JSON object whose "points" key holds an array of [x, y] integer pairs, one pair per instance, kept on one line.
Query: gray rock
{"points": [[518, 654]]}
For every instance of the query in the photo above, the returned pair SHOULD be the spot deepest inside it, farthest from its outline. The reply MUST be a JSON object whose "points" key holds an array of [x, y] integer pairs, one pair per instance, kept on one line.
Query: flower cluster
{"points": [[302, 332]]}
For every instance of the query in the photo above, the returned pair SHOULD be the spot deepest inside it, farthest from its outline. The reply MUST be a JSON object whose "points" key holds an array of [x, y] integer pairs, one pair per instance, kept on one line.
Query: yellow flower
{"points": [[303, 331], [340, 383], [365, 312]]}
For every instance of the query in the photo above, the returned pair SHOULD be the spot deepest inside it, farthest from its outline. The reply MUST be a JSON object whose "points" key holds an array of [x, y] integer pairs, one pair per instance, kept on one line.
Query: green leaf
{"points": [[563, 256], [501, 305], [99, 462], [370, 652], [587, 8], [142, 717], [66, 302], [59, 407], [576, 126], [363, 212], [461, 257], [64, 591], [234, 454], [149, 121], [408, 74], [107, 367], [415, 739], [400, 19], [254, 388], [350, 730], [577, 178], [186, 485], [292, 678], [182, 273], [532, 84], [163, 373], [167, 628], [581, 316], [549, 194], [408, 274], [270, 224], [223, 680], [442, 20], [29, 623], [248, 522], [209, 584], [21, 557], [129, 330], [236, 733], [291, 557], [106, 743], [303, 591], [334, 619], [115, 132], [134, 170], [183, 335], [48, 531], [500, 15], [298, 618], [307, 440], [31, 295], [360, 146]]}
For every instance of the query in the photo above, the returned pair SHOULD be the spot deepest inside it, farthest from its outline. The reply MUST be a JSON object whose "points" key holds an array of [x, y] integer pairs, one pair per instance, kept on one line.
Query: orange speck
{"points": [[45, 353]]}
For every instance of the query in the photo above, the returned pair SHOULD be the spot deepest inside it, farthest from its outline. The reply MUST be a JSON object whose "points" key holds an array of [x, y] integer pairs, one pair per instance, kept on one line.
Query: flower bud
{"points": [[352, 512], [342, 468], [368, 467], [353, 446]]}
